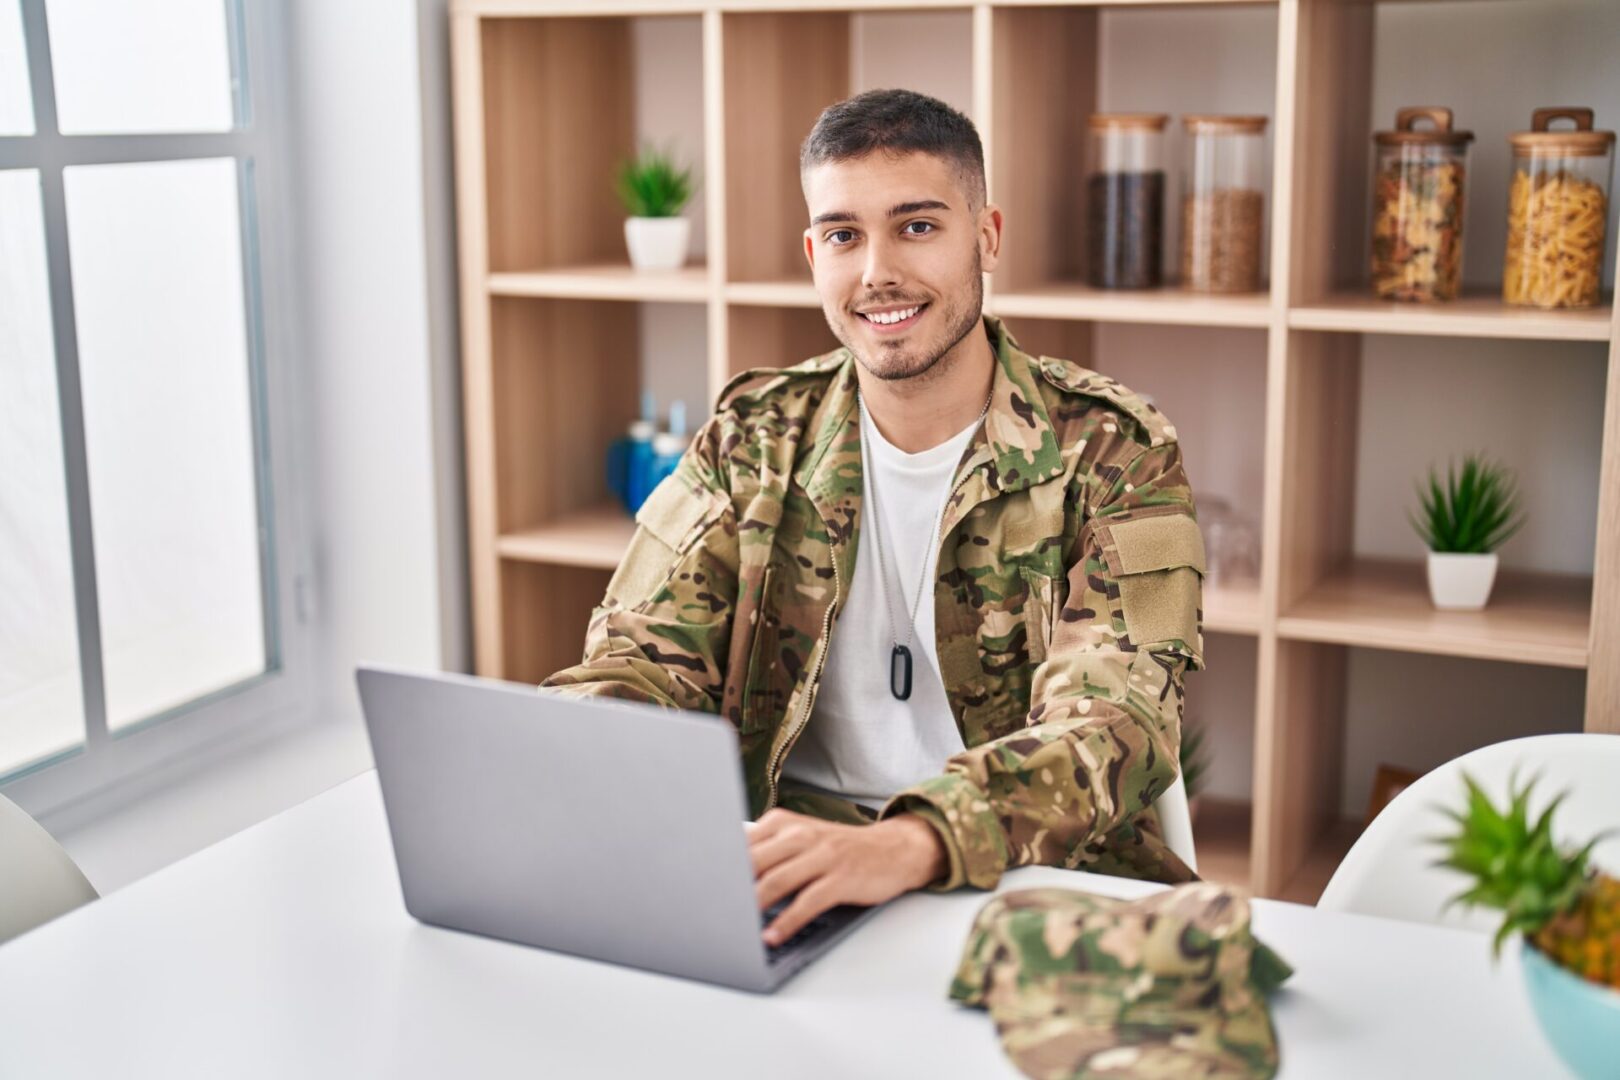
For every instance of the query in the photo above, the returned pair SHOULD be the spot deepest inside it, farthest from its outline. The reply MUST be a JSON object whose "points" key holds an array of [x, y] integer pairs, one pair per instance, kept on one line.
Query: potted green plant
{"points": [[1463, 521], [1194, 765], [1566, 913], [654, 189]]}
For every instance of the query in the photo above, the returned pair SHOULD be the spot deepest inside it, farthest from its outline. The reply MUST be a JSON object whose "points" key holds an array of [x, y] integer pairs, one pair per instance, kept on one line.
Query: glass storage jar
{"points": [[1222, 203], [1418, 207], [1125, 200], [1558, 208]]}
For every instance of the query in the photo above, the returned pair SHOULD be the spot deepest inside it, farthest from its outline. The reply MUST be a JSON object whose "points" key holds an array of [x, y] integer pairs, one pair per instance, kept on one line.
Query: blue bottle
{"points": [[667, 447], [630, 456]]}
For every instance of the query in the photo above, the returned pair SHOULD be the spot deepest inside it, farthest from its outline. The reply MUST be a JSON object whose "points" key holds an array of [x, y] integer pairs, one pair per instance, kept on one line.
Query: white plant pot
{"points": [[657, 243], [1460, 582]]}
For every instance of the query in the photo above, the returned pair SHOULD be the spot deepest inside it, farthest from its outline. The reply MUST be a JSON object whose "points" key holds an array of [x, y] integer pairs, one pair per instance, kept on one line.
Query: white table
{"points": [[286, 951]]}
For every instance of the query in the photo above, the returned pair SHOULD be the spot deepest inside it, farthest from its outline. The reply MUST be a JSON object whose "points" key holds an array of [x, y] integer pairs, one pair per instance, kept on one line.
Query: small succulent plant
{"points": [[653, 185], [1473, 512]]}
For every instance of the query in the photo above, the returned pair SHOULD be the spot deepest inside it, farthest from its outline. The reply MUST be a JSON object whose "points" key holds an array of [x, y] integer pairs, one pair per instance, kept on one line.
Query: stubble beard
{"points": [[900, 362]]}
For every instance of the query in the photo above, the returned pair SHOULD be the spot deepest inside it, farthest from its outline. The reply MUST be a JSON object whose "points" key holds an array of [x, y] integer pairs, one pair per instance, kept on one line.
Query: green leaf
{"points": [[652, 185], [1474, 509]]}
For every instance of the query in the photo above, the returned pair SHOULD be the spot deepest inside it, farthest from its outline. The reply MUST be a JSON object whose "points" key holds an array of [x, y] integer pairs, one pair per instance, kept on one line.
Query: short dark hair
{"points": [[898, 122]]}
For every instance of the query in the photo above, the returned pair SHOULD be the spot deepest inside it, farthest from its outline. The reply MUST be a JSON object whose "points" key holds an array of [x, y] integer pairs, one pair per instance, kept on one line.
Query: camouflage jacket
{"points": [[1067, 605]]}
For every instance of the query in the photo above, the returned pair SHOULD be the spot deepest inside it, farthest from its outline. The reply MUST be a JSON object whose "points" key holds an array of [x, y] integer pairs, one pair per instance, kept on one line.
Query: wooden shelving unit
{"points": [[553, 319]]}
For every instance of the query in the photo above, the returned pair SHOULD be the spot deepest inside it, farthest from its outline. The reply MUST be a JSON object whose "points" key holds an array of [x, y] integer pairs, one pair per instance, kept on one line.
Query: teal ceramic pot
{"points": [[1581, 1019]]}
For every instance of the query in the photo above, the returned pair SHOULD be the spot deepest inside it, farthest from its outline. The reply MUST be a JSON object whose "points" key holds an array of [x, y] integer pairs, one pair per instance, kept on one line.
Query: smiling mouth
{"points": [[890, 327]]}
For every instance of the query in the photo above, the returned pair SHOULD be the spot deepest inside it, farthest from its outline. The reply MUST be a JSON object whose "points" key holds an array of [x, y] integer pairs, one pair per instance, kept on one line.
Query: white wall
{"points": [[382, 386]]}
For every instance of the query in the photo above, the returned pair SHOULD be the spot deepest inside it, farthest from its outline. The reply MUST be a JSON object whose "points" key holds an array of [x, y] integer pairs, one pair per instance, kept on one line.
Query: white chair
{"points": [[40, 881], [1176, 820], [1390, 871]]}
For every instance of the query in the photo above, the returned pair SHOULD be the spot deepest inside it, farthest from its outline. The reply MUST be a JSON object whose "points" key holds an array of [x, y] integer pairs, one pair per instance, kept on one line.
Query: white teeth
{"points": [[885, 318]]}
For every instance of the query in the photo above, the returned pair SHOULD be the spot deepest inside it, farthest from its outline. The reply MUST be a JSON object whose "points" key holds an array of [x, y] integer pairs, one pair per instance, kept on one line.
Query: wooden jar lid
{"points": [[1123, 121], [1439, 135], [1203, 123], [1579, 141]]}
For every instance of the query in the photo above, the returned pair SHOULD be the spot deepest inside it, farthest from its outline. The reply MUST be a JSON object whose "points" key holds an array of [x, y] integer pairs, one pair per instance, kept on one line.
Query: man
{"points": [[1022, 706]]}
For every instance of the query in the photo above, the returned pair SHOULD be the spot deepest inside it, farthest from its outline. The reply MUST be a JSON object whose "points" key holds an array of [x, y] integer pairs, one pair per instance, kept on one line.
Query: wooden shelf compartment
{"points": [[1326, 851], [1222, 834], [567, 377], [1475, 314], [558, 117], [1384, 604], [546, 612], [1047, 78], [760, 336], [772, 100], [1232, 609], [1221, 837], [607, 281], [595, 536], [1334, 165]]}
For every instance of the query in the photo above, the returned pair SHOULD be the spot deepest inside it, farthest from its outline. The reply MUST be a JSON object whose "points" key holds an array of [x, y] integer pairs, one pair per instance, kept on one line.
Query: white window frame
{"points": [[282, 696]]}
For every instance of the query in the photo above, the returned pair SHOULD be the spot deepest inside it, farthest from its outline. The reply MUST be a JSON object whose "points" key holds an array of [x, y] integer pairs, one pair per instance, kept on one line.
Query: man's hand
{"points": [[828, 864]]}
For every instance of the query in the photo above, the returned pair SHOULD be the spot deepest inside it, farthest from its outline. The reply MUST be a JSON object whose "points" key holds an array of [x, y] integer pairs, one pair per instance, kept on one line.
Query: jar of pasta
{"points": [[1558, 205], [1222, 203], [1125, 200], [1418, 207]]}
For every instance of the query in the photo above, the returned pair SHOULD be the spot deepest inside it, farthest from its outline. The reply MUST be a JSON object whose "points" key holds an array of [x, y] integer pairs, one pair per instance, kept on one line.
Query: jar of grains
{"points": [[1125, 200], [1222, 204], [1558, 207], [1418, 207]]}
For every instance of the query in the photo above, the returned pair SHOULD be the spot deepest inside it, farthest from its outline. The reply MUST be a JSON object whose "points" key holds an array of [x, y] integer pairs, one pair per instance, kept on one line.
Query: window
{"points": [[148, 580]]}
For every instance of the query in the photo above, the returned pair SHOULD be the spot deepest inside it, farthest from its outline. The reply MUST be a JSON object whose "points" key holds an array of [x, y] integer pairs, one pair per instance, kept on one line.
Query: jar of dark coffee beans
{"points": [[1125, 200]]}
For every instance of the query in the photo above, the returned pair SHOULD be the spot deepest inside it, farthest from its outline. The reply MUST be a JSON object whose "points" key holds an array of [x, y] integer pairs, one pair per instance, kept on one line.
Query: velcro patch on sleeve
{"points": [[1143, 544], [1158, 564], [673, 512]]}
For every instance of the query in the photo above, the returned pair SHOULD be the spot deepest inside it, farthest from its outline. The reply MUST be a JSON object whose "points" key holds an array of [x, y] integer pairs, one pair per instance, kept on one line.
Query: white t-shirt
{"points": [[861, 741]]}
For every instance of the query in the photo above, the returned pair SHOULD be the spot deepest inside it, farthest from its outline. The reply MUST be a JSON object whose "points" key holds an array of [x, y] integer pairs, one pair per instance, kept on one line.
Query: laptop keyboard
{"points": [[811, 930]]}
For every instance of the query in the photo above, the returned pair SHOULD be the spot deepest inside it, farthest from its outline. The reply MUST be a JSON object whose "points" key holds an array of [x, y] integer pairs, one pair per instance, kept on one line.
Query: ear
{"points": [[810, 250], [990, 236]]}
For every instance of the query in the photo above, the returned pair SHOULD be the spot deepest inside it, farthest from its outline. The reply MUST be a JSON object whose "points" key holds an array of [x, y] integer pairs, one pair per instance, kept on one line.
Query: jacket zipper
{"points": [[815, 676]]}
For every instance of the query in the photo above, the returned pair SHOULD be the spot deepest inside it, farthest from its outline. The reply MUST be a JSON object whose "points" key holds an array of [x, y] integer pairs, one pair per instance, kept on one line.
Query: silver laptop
{"points": [[606, 829]]}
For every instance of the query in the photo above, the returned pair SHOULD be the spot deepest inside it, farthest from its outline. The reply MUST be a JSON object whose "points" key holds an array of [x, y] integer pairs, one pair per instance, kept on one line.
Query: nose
{"points": [[880, 271]]}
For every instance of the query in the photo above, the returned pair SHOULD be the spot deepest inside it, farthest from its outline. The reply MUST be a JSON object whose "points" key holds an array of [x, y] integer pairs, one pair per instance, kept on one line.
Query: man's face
{"points": [[891, 234]]}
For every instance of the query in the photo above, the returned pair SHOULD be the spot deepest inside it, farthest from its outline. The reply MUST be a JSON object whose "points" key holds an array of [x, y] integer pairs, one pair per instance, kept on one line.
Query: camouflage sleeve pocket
{"points": [[673, 513], [671, 519], [1158, 563]]}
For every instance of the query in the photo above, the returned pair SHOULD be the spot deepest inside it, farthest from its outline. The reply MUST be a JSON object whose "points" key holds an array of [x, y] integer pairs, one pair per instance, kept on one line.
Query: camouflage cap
{"points": [[1083, 986]]}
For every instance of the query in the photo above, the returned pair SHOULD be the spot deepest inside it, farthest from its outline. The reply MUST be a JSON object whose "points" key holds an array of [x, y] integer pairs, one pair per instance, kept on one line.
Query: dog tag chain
{"points": [[900, 657]]}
